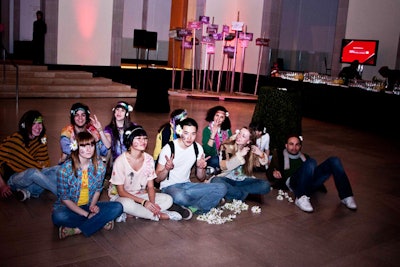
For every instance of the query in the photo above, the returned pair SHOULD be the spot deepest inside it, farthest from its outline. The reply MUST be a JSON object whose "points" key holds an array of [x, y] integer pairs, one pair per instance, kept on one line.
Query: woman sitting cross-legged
{"points": [[238, 158], [132, 184], [79, 184]]}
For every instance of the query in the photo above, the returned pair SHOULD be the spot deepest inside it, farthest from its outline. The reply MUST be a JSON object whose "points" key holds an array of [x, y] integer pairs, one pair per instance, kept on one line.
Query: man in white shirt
{"points": [[174, 168]]}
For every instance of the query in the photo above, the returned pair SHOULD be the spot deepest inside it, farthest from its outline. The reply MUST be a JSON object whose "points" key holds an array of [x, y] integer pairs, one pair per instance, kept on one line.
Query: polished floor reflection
{"points": [[281, 235]]}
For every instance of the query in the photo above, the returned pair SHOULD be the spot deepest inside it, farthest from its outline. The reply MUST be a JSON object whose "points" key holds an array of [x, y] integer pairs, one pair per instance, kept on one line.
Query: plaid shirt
{"points": [[69, 185]]}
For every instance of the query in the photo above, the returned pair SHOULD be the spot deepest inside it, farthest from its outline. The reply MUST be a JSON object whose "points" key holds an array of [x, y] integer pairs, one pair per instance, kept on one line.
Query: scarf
{"points": [[287, 156], [220, 137]]}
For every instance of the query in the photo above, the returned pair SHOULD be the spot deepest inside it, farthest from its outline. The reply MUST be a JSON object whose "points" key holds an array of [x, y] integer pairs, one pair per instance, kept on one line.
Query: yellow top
{"points": [[84, 195]]}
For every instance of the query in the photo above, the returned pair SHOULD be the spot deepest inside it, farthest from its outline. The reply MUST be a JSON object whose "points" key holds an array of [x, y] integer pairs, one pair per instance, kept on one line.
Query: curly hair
{"points": [[226, 124]]}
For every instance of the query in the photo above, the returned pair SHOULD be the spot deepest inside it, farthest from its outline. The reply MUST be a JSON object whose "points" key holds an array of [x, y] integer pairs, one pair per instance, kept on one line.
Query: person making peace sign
{"points": [[173, 171]]}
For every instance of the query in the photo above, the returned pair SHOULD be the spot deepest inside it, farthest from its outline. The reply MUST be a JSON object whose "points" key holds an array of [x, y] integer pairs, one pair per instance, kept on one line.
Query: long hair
{"points": [[226, 124], [113, 123], [83, 138], [25, 125], [229, 149]]}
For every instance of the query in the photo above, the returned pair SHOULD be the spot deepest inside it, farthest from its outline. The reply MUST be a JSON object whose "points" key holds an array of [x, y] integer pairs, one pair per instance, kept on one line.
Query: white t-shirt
{"points": [[183, 162], [135, 182], [263, 142]]}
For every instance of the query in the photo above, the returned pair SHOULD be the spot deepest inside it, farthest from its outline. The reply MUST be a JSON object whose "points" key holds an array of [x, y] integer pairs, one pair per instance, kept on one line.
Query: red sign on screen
{"points": [[365, 51]]}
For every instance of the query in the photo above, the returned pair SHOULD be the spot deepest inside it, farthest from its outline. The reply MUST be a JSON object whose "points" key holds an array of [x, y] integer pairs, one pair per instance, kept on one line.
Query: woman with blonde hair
{"points": [[238, 157]]}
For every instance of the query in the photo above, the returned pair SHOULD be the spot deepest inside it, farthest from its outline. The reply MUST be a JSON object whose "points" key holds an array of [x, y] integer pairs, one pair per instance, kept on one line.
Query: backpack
{"points": [[162, 138]]}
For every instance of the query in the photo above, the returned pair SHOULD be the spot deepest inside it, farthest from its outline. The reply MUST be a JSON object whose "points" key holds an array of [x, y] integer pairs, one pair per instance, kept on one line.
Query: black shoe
{"points": [[22, 195], [183, 211]]}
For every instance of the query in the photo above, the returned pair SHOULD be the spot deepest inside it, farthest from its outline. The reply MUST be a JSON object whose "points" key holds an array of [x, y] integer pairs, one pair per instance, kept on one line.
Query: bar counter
{"points": [[367, 110]]}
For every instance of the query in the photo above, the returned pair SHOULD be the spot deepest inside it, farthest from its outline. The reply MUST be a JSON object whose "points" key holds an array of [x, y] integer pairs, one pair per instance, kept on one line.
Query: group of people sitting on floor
{"points": [[157, 187]]}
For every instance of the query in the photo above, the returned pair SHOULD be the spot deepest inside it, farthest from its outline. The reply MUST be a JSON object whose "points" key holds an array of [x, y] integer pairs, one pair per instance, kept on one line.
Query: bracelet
{"points": [[262, 156], [144, 202], [212, 139], [100, 130], [88, 215]]}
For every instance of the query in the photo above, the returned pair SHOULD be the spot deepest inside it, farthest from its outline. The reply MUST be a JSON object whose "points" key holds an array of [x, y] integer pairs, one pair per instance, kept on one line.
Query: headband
{"points": [[126, 106], [38, 119], [179, 117], [74, 111], [128, 133]]}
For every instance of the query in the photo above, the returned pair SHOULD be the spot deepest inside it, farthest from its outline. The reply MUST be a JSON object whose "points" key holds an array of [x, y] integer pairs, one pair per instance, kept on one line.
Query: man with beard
{"points": [[303, 176]]}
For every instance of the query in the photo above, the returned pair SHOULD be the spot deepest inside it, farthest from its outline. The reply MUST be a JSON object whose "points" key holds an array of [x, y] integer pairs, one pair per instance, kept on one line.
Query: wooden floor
{"points": [[281, 235]]}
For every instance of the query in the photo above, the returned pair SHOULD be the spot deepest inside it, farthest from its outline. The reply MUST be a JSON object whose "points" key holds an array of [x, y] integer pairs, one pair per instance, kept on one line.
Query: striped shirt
{"points": [[18, 157]]}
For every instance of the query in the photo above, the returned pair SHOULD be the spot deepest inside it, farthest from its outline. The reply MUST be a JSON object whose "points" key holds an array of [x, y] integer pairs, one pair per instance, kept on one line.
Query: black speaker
{"points": [[151, 40], [139, 38], [144, 39]]}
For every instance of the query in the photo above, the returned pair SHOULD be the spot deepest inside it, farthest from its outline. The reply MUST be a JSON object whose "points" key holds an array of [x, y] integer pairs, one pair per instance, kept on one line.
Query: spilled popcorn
{"points": [[256, 209], [214, 216], [282, 195]]}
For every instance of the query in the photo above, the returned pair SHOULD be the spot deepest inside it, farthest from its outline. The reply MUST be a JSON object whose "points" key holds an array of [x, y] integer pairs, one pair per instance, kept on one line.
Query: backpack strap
{"points": [[196, 149], [172, 146], [165, 135]]}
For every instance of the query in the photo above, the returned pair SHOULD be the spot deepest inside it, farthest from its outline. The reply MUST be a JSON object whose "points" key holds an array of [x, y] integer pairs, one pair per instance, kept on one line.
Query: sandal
{"points": [[109, 226], [64, 232]]}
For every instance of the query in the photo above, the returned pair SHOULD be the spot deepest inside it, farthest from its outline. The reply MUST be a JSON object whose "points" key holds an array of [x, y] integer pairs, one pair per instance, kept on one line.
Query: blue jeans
{"points": [[63, 216], [213, 161], [310, 176], [35, 181], [241, 189], [203, 196]]}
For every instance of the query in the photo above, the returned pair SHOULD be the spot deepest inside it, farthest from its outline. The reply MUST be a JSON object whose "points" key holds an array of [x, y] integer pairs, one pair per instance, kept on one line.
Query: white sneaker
{"points": [[350, 203], [304, 203], [121, 218], [173, 215]]}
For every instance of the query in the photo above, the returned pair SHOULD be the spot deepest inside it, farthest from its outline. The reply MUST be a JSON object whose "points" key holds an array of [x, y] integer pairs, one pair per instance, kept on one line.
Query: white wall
{"points": [[28, 16], [226, 12], [84, 32], [158, 20], [377, 20]]}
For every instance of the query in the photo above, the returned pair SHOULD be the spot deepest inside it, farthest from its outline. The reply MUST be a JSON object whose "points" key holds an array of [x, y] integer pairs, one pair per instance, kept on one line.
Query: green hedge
{"points": [[279, 111]]}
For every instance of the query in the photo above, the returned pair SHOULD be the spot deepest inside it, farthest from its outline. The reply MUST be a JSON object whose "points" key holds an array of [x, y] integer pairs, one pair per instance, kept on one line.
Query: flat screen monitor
{"points": [[365, 51]]}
